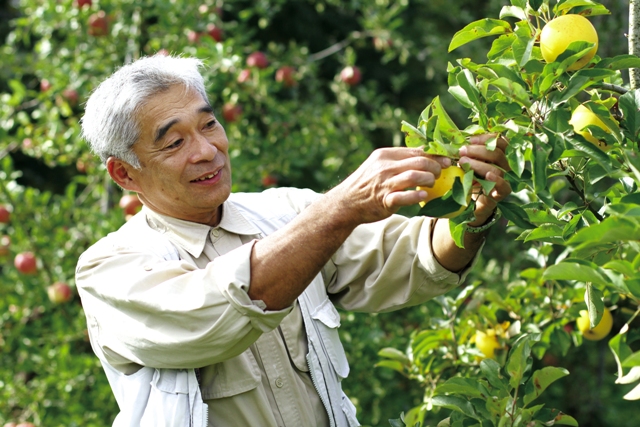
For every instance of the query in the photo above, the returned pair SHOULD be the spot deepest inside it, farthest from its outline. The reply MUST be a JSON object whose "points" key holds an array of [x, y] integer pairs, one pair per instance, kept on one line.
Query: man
{"points": [[218, 309]]}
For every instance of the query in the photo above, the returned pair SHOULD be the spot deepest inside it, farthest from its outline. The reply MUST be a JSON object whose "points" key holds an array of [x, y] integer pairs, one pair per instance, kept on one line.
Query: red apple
{"points": [[59, 292], [257, 59], [350, 75], [25, 262], [162, 52], [5, 242], [286, 76], [269, 180], [71, 95], [26, 425], [27, 143], [98, 24], [83, 3], [130, 204], [231, 112], [45, 85], [193, 36], [5, 215], [215, 32], [244, 75]]}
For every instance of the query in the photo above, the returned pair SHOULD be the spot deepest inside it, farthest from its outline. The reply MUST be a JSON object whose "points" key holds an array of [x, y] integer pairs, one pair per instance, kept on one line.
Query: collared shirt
{"points": [[196, 313]]}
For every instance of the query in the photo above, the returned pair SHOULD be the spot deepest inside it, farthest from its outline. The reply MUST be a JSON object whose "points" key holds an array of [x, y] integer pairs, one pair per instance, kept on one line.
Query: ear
{"points": [[123, 174]]}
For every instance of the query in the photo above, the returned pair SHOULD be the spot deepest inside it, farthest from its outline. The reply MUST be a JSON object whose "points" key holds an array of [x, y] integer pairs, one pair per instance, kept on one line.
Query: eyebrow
{"points": [[162, 131]]}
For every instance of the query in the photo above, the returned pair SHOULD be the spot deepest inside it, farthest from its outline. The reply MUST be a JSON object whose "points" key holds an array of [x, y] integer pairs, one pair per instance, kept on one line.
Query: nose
{"points": [[204, 150]]}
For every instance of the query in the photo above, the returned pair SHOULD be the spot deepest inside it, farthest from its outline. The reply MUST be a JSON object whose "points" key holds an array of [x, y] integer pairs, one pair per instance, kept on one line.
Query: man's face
{"points": [[184, 154]]}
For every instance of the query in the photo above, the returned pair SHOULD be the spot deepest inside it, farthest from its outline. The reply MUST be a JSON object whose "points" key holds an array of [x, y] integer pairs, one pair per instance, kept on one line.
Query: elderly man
{"points": [[216, 309]]}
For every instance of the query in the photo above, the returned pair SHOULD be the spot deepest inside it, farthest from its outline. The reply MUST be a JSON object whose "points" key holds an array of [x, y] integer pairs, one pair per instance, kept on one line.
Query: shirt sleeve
{"points": [[146, 310], [388, 265]]}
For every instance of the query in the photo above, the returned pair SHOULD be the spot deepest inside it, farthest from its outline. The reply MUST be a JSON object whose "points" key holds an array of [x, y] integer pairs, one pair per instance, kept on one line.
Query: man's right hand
{"points": [[386, 181]]}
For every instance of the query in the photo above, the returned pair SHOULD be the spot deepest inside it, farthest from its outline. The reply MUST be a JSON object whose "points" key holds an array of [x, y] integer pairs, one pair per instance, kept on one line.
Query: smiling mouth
{"points": [[206, 177]]}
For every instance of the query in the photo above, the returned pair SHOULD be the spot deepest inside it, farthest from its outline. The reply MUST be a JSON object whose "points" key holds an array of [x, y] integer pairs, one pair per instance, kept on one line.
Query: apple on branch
{"points": [[351, 75], [286, 76], [231, 112], [130, 204], [25, 263], [98, 24], [5, 215], [59, 292], [258, 60]]}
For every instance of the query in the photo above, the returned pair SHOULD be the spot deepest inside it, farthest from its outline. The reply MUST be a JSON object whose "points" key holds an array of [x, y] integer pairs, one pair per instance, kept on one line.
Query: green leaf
{"points": [[633, 394], [491, 370], [447, 127], [631, 360], [501, 46], [467, 81], [621, 351], [579, 81], [514, 12], [518, 361], [462, 386], [540, 380], [513, 91], [567, 270], [620, 62], [515, 214], [546, 233], [564, 7], [593, 298], [610, 230], [394, 354], [391, 364], [413, 137], [629, 104], [551, 417], [455, 403], [477, 30]]}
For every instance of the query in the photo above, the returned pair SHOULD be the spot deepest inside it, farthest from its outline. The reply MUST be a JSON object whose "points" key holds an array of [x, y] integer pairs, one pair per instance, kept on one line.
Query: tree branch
{"points": [[634, 40]]}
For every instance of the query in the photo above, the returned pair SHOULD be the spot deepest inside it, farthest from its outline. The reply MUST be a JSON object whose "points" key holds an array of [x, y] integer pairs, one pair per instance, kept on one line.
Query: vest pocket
{"points": [[168, 399], [327, 323]]}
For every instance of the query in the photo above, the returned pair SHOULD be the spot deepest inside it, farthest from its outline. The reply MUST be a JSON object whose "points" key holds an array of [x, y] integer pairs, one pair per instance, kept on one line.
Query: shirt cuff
{"points": [[233, 276], [442, 277]]}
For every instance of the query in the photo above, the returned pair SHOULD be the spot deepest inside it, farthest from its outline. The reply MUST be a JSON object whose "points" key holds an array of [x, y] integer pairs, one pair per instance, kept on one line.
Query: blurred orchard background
{"points": [[306, 89]]}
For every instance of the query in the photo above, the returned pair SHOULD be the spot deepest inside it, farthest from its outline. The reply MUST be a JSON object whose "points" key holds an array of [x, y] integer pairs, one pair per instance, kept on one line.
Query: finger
{"points": [[412, 178], [481, 168], [397, 199], [480, 152], [501, 142], [501, 190]]}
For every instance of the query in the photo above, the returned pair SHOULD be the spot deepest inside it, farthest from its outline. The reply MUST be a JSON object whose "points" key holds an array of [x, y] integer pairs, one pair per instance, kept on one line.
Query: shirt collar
{"points": [[192, 236]]}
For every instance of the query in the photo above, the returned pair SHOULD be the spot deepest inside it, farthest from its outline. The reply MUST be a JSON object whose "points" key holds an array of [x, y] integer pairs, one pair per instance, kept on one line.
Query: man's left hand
{"points": [[489, 165]]}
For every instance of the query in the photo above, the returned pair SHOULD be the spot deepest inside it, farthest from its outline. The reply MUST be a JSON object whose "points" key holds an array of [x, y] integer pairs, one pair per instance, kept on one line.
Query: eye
{"points": [[174, 144], [211, 124]]}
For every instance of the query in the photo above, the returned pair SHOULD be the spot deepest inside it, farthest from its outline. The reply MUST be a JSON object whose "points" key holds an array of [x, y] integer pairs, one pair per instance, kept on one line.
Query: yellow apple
{"points": [[600, 331], [560, 32], [443, 184], [583, 117], [487, 342]]}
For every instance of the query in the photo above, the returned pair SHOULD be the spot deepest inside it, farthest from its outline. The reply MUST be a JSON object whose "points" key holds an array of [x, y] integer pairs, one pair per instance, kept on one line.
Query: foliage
{"points": [[574, 208], [311, 134]]}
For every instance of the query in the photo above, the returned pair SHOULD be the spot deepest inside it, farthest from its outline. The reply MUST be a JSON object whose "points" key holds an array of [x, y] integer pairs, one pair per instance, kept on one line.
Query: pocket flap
{"points": [[327, 314], [171, 381]]}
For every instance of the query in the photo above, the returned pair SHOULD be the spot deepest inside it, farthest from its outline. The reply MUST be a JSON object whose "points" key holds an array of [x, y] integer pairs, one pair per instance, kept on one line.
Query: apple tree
{"points": [[574, 167]]}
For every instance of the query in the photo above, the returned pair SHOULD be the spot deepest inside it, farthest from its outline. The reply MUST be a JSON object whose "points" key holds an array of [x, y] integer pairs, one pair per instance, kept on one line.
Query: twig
{"points": [[338, 46], [12, 146], [613, 88]]}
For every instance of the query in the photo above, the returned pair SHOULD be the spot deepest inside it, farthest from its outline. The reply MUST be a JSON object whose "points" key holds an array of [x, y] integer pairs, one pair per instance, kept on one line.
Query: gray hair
{"points": [[110, 125]]}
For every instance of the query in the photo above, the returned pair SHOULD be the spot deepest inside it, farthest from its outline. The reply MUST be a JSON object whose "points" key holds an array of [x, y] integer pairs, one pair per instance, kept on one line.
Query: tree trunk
{"points": [[634, 40]]}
